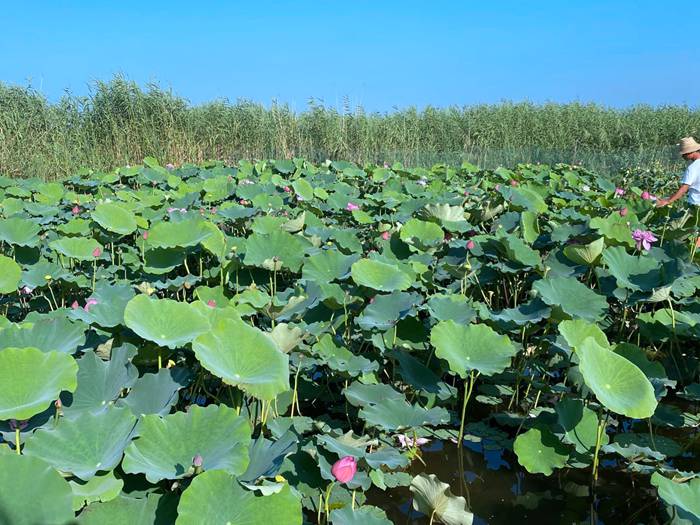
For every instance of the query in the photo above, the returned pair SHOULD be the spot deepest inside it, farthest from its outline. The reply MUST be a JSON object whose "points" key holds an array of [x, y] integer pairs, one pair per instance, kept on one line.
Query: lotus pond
{"points": [[282, 342]]}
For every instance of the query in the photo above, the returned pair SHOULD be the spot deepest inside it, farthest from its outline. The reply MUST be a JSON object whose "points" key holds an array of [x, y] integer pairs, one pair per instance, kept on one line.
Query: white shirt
{"points": [[691, 177]]}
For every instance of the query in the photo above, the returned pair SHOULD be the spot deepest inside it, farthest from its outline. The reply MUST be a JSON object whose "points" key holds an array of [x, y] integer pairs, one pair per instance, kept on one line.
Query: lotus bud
{"points": [[386, 235], [498, 187], [211, 303], [169, 166], [197, 463], [90, 302], [344, 469], [75, 210], [96, 252], [75, 305], [145, 235], [513, 182], [623, 212], [646, 195], [470, 244]]}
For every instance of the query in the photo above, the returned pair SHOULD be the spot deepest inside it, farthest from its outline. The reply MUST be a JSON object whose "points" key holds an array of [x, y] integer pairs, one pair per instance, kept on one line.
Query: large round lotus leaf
{"points": [[614, 228], [540, 451], [101, 382], [394, 414], [181, 234], [164, 321], [421, 234], [217, 497], [86, 444], [524, 314], [109, 309], [365, 515], [100, 488], [574, 298], [244, 356], [31, 493], [156, 393], [47, 335], [380, 276], [114, 218], [580, 424], [586, 254], [472, 347], [685, 496], [327, 266], [387, 309], [151, 510], [21, 232], [576, 331], [518, 251], [274, 251], [30, 380], [434, 498], [635, 272], [78, 248], [166, 445], [10, 274], [455, 307], [617, 383]]}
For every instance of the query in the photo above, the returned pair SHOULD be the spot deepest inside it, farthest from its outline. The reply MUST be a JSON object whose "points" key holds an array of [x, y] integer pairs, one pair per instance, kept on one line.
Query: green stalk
{"points": [[468, 388], [328, 499], [17, 441], [598, 443]]}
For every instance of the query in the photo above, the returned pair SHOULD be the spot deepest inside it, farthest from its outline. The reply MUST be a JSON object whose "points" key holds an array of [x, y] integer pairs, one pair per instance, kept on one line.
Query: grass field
{"points": [[120, 123]]}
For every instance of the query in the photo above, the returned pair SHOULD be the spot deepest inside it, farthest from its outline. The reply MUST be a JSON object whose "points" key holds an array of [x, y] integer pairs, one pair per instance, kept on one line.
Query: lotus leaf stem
{"points": [[328, 499], [17, 449], [468, 388], [598, 443]]}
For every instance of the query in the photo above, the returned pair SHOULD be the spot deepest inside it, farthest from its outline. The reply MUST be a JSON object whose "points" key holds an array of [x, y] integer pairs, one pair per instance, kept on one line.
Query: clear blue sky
{"points": [[380, 53]]}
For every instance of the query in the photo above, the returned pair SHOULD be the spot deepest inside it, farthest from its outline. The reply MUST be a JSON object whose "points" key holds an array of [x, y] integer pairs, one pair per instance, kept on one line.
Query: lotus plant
{"points": [[343, 471], [644, 239]]}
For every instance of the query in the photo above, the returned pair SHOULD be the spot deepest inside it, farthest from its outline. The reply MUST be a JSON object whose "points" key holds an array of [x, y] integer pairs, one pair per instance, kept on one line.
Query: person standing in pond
{"points": [[690, 183]]}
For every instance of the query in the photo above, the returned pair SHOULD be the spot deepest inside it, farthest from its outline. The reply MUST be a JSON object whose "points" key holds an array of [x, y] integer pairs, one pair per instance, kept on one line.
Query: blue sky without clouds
{"points": [[380, 54]]}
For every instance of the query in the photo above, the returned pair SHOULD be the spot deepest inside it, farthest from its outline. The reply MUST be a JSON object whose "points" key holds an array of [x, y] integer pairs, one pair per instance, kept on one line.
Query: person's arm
{"points": [[681, 191]]}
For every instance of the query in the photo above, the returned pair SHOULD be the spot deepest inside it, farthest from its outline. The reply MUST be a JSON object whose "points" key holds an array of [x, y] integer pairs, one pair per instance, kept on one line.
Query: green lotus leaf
{"points": [[540, 452], [327, 266], [614, 228], [274, 251], [109, 309], [244, 356], [586, 254], [617, 383], [79, 248], [166, 445], [433, 498], [576, 331], [303, 189], [359, 395], [685, 496], [159, 261], [455, 307], [395, 414], [470, 348], [529, 226], [574, 298], [86, 444], [150, 510], [114, 218], [25, 479], [518, 251], [216, 243], [421, 234], [580, 424], [10, 274], [445, 213], [217, 497], [380, 276], [341, 359], [156, 393], [286, 337], [164, 321], [30, 380], [387, 309], [100, 488], [365, 515], [180, 234], [50, 334], [637, 273], [100, 382], [527, 198], [661, 446], [20, 232], [524, 314], [266, 456]]}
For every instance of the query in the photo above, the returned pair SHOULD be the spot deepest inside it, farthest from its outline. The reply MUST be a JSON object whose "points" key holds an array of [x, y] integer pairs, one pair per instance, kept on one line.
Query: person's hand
{"points": [[662, 202]]}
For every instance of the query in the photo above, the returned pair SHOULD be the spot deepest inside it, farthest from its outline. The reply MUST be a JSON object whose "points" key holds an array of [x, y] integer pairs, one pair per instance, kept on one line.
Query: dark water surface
{"points": [[499, 491]]}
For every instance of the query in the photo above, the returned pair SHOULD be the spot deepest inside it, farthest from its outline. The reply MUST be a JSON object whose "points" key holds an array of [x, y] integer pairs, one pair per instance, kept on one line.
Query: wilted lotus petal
{"points": [[90, 302]]}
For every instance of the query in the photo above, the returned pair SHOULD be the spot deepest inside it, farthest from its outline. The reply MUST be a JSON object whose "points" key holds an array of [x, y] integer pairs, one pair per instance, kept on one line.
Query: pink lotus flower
{"points": [[211, 303], [644, 239], [26, 290], [498, 187], [213, 210], [344, 469], [145, 235], [96, 252], [287, 189], [619, 192], [470, 244], [197, 461], [90, 302], [513, 182], [623, 212], [409, 442], [169, 166], [386, 164], [646, 195], [75, 305], [243, 202], [75, 210], [386, 235], [352, 207]]}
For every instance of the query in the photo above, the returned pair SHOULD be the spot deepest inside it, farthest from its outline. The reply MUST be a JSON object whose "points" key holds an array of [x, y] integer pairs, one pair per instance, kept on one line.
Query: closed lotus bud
{"points": [[344, 469], [623, 212], [470, 244]]}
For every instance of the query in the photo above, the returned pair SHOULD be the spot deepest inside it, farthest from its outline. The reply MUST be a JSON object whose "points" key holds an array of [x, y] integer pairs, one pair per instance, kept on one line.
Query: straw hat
{"points": [[688, 145]]}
